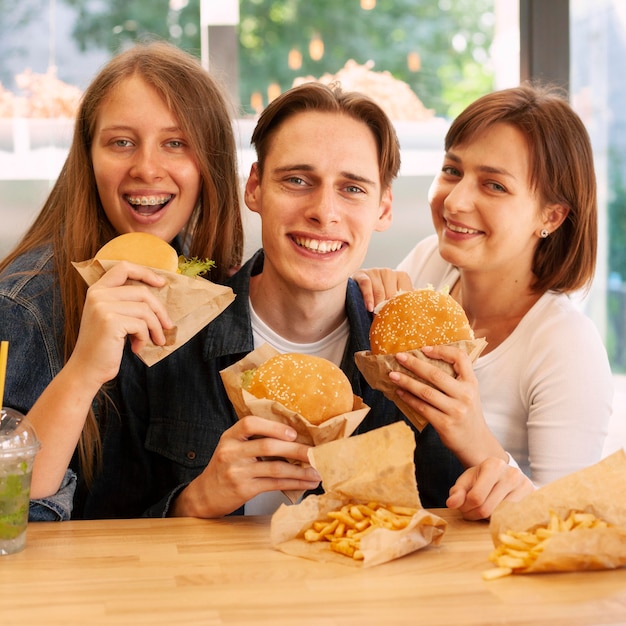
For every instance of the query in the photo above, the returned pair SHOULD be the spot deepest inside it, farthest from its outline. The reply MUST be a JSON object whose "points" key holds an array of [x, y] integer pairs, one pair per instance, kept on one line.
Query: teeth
{"points": [[319, 246], [148, 200], [460, 229]]}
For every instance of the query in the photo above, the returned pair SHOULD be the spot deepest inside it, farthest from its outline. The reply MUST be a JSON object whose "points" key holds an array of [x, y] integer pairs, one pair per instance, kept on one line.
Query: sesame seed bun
{"points": [[309, 385], [414, 319], [140, 248]]}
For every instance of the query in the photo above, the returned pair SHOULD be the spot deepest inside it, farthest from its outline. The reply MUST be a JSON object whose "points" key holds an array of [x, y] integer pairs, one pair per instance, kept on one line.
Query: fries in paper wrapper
{"points": [[376, 367], [245, 403], [190, 301], [370, 488], [577, 522]]}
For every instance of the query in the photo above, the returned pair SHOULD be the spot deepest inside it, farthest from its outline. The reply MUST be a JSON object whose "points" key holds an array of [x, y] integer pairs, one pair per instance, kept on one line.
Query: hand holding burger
{"points": [[308, 393], [191, 303], [407, 323]]}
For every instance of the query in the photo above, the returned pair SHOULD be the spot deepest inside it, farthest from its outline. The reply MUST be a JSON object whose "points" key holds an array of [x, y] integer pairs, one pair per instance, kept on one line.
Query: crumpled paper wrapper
{"points": [[376, 367], [245, 403], [375, 466], [599, 489], [191, 303]]}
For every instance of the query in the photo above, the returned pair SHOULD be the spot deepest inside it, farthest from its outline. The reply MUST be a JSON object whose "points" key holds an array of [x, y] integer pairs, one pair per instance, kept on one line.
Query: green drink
{"points": [[18, 447]]}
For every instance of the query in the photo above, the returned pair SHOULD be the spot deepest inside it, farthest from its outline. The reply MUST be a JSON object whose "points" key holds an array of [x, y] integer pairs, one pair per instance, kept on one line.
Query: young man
{"points": [[321, 186]]}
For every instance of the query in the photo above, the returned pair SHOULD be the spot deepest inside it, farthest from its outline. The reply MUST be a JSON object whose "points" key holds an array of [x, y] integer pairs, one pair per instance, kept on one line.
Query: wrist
{"points": [[191, 502], [77, 376]]}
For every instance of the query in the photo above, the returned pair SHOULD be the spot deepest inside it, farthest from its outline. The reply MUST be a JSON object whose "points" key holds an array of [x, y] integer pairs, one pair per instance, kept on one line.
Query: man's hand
{"points": [[249, 459]]}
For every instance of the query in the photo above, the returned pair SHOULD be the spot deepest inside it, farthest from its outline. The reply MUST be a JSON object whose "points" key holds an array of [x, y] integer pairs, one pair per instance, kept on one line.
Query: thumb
{"points": [[458, 491], [457, 497]]}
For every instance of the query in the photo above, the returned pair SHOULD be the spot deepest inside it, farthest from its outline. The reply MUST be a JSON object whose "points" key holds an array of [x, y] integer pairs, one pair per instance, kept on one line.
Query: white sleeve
{"points": [[570, 395], [425, 266]]}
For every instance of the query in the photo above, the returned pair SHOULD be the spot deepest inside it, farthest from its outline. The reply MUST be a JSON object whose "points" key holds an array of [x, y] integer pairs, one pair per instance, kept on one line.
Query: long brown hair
{"points": [[73, 220], [562, 172]]}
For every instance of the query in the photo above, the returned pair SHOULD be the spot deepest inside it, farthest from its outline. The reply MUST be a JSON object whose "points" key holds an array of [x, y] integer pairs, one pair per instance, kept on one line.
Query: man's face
{"points": [[320, 200]]}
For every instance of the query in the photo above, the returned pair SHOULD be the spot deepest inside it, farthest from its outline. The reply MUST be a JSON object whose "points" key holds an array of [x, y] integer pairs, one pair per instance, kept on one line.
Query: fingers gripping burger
{"points": [[150, 250], [406, 323], [309, 385]]}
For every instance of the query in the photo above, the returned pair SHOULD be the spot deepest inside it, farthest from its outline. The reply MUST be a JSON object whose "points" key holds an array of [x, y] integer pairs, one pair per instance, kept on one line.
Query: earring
{"points": [[544, 233]]}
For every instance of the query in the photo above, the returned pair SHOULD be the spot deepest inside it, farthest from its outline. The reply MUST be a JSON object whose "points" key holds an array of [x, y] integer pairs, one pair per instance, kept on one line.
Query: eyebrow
{"points": [[286, 169], [488, 169], [119, 127]]}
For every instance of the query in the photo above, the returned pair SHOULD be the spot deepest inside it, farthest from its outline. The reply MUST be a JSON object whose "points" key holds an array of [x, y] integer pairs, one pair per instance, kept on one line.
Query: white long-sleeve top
{"points": [[547, 390]]}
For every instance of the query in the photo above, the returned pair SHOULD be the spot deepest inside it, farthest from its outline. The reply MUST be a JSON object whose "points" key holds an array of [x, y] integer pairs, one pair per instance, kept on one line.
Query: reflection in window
{"points": [[597, 49]]}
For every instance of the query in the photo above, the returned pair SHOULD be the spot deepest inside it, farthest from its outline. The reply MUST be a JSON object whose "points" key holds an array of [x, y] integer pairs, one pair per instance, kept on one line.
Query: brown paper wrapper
{"points": [[191, 303], [376, 466], [245, 403], [599, 489], [376, 367]]}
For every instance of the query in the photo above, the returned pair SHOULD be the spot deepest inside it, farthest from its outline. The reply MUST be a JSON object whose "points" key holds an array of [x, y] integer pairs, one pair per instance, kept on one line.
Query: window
{"points": [[424, 61]]}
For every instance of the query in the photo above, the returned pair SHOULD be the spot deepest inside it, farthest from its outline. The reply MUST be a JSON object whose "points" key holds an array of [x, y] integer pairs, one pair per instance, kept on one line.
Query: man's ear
{"points": [[252, 190], [385, 213], [553, 216]]}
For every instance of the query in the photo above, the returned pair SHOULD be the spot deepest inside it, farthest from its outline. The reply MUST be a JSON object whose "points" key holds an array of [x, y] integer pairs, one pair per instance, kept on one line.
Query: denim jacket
{"points": [[31, 320], [171, 415]]}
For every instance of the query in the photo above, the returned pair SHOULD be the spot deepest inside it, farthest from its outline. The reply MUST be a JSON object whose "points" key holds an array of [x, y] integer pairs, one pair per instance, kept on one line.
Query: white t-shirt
{"points": [[547, 390], [330, 347]]}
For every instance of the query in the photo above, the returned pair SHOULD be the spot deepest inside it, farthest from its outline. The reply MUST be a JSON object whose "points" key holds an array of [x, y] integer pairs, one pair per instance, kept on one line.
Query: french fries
{"points": [[518, 550], [345, 527]]}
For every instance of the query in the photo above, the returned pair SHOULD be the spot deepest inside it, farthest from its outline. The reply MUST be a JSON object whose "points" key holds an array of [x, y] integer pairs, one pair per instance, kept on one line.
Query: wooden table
{"points": [[189, 571]]}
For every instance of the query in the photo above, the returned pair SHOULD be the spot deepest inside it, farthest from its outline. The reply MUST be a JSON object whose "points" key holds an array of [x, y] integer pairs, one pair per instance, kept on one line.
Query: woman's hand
{"points": [[115, 309], [380, 284], [248, 460], [452, 405], [480, 489]]}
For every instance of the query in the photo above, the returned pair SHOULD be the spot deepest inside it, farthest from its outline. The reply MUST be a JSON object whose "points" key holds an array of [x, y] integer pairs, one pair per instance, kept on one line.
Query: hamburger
{"points": [[150, 250], [414, 319], [311, 386]]}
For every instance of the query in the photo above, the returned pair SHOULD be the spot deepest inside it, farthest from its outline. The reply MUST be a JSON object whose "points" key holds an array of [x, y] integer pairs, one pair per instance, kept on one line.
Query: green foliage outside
{"points": [[452, 39], [616, 293]]}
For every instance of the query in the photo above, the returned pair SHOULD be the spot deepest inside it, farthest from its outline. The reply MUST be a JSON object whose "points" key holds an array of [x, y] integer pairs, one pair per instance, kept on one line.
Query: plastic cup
{"points": [[18, 447]]}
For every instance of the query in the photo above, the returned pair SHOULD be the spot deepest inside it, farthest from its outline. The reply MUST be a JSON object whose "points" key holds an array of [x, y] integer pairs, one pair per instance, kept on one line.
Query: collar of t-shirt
{"points": [[331, 347]]}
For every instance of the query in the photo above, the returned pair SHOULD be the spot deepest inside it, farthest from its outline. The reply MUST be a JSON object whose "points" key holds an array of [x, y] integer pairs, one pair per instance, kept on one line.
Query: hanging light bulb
{"points": [[368, 5], [414, 61], [273, 91], [256, 102], [294, 60], [316, 48]]}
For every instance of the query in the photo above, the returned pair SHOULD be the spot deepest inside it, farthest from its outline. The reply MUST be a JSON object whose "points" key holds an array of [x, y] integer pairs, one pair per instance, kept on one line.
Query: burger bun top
{"points": [[140, 248], [414, 319], [309, 385]]}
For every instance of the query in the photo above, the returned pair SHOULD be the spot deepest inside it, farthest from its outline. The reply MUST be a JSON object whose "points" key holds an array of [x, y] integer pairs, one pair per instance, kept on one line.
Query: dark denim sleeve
{"points": [[56, 508], [162, 508]]}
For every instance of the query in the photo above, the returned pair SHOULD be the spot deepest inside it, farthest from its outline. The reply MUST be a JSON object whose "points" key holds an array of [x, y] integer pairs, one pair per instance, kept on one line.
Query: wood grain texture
{"points": [[189, 571]]}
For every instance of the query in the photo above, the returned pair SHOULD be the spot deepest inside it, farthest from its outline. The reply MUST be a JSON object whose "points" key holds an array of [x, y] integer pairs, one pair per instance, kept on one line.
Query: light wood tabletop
{"points": [[189, 571]]}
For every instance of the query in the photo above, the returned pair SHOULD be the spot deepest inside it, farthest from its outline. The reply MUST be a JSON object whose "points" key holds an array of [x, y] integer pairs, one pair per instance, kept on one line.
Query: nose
{"points": [[459, 197], [324, 207], [146, 165]]}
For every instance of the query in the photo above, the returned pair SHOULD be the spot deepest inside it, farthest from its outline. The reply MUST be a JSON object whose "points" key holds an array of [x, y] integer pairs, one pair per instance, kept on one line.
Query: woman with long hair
{"points": [[153, 150]]}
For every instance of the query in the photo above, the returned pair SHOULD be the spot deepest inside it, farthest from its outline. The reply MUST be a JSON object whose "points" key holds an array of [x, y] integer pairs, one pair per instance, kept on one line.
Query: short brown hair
{"points": [[330, 99], [562, 172]]}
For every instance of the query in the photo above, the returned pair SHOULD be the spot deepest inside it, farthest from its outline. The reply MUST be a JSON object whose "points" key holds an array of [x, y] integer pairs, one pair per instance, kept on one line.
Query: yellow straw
{"points": [[4, 353]]}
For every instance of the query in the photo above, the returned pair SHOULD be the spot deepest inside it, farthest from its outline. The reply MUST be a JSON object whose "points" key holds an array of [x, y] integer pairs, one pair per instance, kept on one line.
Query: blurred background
{"points": [[422, 60]]}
